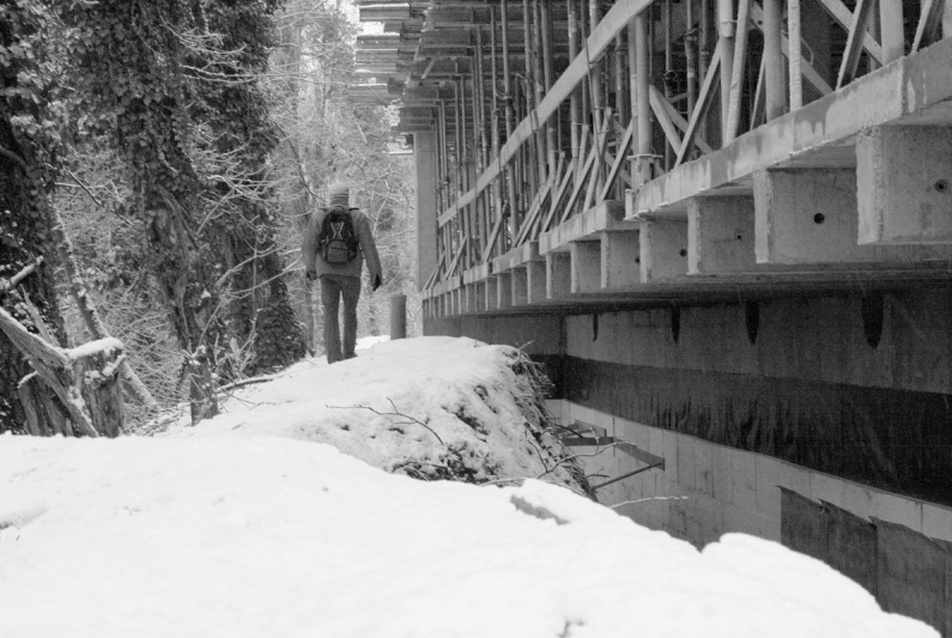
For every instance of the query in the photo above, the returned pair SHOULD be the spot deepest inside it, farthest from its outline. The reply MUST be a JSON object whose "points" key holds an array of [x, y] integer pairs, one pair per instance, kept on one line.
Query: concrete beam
{"points": [[621, 259], [904, 179], [586, 266], [558, 268], [720, 234], [664, 249]]}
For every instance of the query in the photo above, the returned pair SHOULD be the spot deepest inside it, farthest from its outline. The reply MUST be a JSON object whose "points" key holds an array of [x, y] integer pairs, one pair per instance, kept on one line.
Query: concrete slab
{"points": [[704, 467], [744, 480], [937, 522], [687, 475], [897, 509]]}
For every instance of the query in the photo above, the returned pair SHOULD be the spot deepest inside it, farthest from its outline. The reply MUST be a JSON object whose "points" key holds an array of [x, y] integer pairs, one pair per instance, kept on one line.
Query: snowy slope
{"points": [[431, 407], [234, 529]]}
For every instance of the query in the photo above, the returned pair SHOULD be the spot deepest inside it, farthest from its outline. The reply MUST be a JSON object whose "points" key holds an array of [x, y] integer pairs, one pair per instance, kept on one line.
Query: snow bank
{"points": [[269, 536], [432, 408], [222, 531]]}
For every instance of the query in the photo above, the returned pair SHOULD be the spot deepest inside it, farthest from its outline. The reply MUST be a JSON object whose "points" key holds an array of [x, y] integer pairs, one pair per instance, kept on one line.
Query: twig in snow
{"points": [[395, 412], [650, 498]]}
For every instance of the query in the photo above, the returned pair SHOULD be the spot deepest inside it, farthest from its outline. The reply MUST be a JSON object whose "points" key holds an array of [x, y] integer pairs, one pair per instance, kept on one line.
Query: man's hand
{"points": [[310, 275], [376, 283]]}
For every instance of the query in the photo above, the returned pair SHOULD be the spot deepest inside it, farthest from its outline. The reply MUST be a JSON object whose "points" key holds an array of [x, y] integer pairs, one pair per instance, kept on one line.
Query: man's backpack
{"points": [[337, 242]]}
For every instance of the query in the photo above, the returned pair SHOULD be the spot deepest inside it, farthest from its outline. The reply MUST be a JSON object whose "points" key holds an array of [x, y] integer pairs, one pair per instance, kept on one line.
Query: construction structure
{"points": [[725, 226]]}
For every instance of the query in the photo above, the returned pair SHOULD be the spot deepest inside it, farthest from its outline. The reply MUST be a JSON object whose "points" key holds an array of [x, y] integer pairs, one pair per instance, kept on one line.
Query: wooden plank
{"points": [[927, 21], [793, 54], [619, 160], [589, 162], [737, 73], [809, 72], [536, 206], [563, 186], [602, 36], [459, 253], [853, 49], [844, 16], [668, 116], [703, 101]]}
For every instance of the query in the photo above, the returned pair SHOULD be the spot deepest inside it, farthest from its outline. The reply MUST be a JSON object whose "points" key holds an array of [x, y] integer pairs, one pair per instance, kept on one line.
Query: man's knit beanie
{"points": [[339, 194]]}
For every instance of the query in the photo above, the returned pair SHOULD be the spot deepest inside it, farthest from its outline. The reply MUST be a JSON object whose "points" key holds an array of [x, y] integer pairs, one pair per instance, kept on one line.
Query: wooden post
{"points": [[725, 44], [737, 74], [532, 100], [574, 111], [501, 241], [643, 170], [511, 167], [83, 380], [45, 415], [544, 25], [773, 60], [690, 54], [793, 55], [95, 371], [598, 97]]}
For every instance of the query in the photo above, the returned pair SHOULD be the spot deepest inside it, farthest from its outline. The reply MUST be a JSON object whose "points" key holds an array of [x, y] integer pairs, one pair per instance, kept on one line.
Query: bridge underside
{"points": [[726, 229]]}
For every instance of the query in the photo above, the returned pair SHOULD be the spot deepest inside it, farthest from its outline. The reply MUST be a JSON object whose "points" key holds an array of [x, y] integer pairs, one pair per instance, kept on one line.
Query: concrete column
{"points": [[426, 163], [558, 274], [621, 259], [664, 249], [479, 296], [586, 266], [455, 307], [535, 281], [504, 290], [720, 235], [520, 286], [492, 295], [470, 298], [805, 216], [398, 317], [904, 185]]}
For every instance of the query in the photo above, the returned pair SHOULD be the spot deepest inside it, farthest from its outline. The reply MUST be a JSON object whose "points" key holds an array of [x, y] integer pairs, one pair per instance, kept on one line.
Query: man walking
{"points": [[337, 241]]}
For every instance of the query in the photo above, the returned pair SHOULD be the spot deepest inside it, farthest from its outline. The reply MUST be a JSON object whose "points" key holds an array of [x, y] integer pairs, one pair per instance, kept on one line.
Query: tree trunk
{"points": [[192, 301]]}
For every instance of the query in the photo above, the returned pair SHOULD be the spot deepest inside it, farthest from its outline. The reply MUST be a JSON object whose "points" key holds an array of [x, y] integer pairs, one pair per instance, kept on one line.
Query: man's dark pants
{"points": [[333, 287]]}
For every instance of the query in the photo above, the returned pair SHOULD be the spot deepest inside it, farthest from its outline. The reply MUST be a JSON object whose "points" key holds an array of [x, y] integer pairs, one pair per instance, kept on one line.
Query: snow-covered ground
{"points": [[249, 525]]}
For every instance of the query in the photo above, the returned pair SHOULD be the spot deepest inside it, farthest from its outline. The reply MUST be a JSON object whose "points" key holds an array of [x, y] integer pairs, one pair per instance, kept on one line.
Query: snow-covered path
{"points": [[243, 528]]}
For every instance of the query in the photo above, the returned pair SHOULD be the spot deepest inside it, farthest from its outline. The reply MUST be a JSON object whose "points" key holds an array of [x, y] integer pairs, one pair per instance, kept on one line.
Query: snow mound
{"points": [[431, 408], [268, 536]]}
